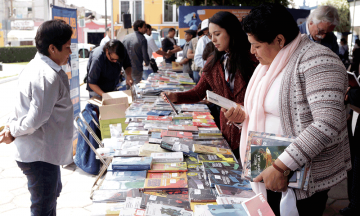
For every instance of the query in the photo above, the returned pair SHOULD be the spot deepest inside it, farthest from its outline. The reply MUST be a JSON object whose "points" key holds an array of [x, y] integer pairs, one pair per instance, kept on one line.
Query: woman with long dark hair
{"points": [[227, 73]]}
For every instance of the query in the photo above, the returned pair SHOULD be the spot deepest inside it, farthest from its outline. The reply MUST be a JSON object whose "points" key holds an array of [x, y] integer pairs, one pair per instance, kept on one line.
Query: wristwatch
{"points": [[284, 172]]}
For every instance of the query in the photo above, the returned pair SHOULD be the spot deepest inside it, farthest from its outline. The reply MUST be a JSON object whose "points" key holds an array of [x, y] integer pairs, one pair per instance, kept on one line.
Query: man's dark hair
{"points": [[171, 29], [55, 32], [138, 24], [267, 21], [148, 26], [115, 46], [343, 40]]}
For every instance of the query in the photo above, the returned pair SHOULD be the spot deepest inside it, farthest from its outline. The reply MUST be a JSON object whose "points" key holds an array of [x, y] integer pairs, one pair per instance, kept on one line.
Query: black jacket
{"points": [[168, 45]]}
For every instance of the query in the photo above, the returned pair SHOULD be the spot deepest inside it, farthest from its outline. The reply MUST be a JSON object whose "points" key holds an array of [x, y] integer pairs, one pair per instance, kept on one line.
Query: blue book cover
{"points": [[159, 113], [126, 175], [132, 163], [156, 135], [231, 180], [226, 210]]}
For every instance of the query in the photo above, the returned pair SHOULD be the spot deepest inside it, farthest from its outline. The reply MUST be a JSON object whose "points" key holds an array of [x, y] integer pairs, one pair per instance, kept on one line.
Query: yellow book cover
{"points": [[127, 132], [192, 204]]}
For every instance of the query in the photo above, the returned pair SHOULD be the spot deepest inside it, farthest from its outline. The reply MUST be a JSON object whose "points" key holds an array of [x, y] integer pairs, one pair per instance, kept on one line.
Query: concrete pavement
{"points": [[74, 198]]}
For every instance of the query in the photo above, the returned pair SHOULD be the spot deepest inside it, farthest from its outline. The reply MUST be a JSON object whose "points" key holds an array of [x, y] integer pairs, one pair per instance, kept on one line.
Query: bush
{"points": [[17, 54]]}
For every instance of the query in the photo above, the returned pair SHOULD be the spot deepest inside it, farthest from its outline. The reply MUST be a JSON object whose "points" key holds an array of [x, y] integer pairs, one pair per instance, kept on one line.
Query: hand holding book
{"points": [[234, 114]]}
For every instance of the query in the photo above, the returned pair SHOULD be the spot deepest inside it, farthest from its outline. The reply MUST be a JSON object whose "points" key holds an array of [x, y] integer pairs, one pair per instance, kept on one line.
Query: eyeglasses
{"points": [[320, 32]]}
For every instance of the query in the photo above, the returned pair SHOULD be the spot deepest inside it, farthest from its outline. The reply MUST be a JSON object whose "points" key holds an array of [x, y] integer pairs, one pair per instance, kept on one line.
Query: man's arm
{"points": [[127, 68], [145, 52], [190, 53], [199, 62], [96, 89]]}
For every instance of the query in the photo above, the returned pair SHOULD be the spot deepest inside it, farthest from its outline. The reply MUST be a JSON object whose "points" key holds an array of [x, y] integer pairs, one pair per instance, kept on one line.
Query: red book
{"points": [[202, 115], [166, 133], [204, 123], [159, 118], [166, 184], [258, 206]]}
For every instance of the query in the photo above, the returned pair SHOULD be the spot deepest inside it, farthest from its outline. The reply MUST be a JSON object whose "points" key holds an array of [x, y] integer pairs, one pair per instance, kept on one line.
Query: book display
{"points": [[173, 160]]}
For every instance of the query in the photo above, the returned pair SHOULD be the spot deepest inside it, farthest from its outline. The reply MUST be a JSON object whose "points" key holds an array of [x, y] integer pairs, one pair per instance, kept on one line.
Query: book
{"points": [[202, 195], [204, 122], [183, 122], [216, 158], [166, 175], [122, 185], [197, 148], [183, 128], [167, 157], [133, 203], [107, 209], [168, 167], [191, 160], [195, 168], [258, 206], [127, 132], [196, 137], [231, 180], [155, 141], [166, 184], [147, 149], [201, 114], [230, 200], [165, 210], [182, 116], [137, 137], [209, 131], [111, 196], [147, 198], [131, 163], [166, 133], [229, 209], [197, 180], [220, 100], [125, 175], [156, 135], [159, 113], [171, 104], [196, 206], [160, 118], [226, 191], [263, 157], [221, 168], [127, 153], [178, 147]]}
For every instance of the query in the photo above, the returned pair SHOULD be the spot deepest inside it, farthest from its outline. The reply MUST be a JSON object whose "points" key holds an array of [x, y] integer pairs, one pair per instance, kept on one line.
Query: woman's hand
{"points": [[236, 115], [171, 95], [273, 179]]}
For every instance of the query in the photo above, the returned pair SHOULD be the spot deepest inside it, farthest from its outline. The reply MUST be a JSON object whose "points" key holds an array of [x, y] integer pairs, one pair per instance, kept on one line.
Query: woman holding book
{"points": [[297, 89], [227, 73]]}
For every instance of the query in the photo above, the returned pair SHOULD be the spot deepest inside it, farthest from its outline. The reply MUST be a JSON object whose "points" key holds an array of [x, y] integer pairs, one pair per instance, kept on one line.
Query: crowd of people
{"points": [[290, 81]]}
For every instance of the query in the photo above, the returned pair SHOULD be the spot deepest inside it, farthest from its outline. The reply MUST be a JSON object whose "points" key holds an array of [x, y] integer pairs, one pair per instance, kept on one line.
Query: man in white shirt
{"points": [[202, 43], [107, 38], [152, 47], [42, 125]]}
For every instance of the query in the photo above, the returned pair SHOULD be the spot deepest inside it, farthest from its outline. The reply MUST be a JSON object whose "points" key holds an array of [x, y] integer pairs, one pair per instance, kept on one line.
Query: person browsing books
{"points": [[227, 73], [297, 89], [41, 127]]}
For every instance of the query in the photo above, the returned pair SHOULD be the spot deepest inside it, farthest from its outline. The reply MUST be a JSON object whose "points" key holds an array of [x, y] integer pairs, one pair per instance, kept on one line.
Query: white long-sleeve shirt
{"points": [[199, 51], [42, 123]]}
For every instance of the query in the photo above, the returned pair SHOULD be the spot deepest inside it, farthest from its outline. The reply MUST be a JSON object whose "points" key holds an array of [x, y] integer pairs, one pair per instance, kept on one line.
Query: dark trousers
{"points": [[44, 184], [314, 205]]}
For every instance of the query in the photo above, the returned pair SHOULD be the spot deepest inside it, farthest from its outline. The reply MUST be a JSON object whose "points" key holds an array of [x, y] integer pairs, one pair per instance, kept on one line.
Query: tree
{"points": [[344, 14], [229, 2]]}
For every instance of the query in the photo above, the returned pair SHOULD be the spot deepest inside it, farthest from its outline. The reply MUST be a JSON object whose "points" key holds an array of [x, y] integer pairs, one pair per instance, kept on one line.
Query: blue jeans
{"points": [[196, 76], [146, 73], [44, 184]]}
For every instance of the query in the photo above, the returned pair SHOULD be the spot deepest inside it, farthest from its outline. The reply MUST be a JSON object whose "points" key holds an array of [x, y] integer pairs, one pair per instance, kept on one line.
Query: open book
{"points": [[220, 100]]}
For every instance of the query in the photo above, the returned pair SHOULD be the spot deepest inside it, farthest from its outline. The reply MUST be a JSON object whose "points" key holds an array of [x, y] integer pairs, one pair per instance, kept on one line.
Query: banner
{"points": [[72, 68], [191, 16]]}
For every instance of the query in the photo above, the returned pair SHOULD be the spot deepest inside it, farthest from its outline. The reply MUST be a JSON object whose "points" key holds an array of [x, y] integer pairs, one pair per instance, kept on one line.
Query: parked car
{"points": [[85, 49]]}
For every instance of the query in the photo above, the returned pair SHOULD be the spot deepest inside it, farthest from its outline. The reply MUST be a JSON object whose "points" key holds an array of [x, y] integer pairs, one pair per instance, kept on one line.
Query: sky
{"points": [[95, 5]]}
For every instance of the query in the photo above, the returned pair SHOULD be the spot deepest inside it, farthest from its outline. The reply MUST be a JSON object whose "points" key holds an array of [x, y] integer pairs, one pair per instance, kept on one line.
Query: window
{"points": [[133, 7], [170, 12]]}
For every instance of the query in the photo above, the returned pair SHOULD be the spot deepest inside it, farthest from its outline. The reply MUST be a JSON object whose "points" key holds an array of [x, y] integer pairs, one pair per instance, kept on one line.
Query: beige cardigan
{"points": [[312, 108]]}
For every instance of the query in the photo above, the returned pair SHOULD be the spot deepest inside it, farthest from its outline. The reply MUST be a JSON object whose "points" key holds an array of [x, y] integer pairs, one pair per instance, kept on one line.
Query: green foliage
{"points": [[344, 14], [229, 2], [17, 54]]}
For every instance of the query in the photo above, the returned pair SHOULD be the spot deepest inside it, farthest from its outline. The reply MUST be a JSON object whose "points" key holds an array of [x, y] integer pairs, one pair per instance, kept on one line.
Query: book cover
{"points": [[212, 132], [202, 195], [159, 118], [166, 184], [215, 158], [198, 204], [111, 196], [147, 149], [166, 175], [178, 147], [230, 200], [146, 198], [107, 209], [229, 209], [191, 160], [258, 206], [196, 137], [166, 133], [197, 148], [131, 163], [122, 185], [156, 135], [183, 122], [196, 114], [196, 180], [155, 141], [226, 191], [231, 180], [132, 132], [127, 153], [195, 168], [204, 122], [153, 209], [182, 128], [168, 167], [167, 157], [263, 157], [125, 175], [221, 168], [159, 113], [182, 116]]}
